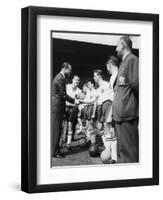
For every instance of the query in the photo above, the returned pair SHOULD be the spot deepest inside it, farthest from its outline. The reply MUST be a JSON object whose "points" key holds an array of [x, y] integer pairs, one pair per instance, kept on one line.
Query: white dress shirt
{"points": [[72, 92]]}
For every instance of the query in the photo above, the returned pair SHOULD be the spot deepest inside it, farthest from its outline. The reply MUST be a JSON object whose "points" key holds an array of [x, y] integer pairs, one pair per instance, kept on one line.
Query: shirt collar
{"points": [[62, 74], [101, 82], [115, 73]]}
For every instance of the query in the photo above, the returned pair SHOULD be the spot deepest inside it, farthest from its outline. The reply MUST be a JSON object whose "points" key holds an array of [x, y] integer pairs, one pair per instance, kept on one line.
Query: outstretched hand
{"points": [[77, 102], [80, 100]]}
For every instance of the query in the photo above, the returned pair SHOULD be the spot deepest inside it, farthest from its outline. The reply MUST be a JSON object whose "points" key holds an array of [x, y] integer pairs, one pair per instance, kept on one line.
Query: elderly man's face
{"points": [[119, 48]]}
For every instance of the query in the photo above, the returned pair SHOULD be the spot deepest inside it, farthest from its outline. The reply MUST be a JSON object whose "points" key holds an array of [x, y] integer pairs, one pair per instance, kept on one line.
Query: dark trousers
{"points": [[127, 141], [57, 119]]}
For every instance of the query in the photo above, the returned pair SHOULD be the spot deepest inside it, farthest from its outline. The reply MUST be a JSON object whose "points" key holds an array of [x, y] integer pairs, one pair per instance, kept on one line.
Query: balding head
{"points": [[124, 44], [126, 41], [66, 69]]}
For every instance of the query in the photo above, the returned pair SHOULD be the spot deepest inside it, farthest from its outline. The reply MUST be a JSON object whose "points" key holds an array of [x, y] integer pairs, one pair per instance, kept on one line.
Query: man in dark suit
{"points": [[59, 97], [125, 103]]}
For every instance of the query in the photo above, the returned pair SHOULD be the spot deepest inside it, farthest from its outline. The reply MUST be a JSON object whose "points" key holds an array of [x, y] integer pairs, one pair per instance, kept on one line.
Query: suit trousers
{"points": [[57, 119], [127, 141]]}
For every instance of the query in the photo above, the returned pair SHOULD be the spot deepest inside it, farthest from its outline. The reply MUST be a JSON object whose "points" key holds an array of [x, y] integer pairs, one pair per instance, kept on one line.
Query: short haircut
{"points": [[65, 65], [99, 72], [90, 80], [113, 60], [126, 41], [75, 76]]}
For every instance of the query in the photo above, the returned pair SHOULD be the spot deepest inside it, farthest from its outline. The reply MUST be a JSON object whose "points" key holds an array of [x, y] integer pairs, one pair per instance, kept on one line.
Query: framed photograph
{"points": [[90, 99]]}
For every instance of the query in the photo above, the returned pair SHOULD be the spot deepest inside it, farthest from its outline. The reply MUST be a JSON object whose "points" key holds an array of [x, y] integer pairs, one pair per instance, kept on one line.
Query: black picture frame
{"points": [[29, 98]]}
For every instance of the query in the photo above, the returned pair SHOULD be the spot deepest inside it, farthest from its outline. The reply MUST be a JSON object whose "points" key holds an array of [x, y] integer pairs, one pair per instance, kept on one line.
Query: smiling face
{"points": [[96, 77], [76, 81], [90, 85]]}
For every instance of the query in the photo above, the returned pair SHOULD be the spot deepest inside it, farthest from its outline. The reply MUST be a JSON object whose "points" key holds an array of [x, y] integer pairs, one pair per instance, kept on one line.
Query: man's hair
{"points": [[127, 42], [65, 65], [99, 72], [75, 76], [113, 60], [89, 80]]}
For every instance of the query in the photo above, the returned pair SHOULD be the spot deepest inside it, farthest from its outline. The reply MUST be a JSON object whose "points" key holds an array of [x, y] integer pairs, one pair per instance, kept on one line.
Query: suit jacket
{"points": [[126, 97], [59, 95]]}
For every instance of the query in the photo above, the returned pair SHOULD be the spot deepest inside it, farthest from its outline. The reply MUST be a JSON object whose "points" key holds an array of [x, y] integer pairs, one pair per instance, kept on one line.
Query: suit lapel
{"points": [[122, 64], [61, 75]]}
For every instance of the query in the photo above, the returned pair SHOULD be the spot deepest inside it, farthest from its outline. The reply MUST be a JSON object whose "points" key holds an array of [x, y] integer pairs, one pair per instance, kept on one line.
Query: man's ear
{"points": [[123, 46]]}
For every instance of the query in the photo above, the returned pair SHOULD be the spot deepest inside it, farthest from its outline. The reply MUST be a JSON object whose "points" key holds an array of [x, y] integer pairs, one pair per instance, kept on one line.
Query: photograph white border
{"points": [[48, 175]]}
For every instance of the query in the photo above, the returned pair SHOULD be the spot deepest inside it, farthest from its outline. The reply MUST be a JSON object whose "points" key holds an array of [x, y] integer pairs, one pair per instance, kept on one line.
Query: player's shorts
{"points": [[71, 113], [106, 108], [99, 113], [83, 114], [103, 111], [89, 112]]}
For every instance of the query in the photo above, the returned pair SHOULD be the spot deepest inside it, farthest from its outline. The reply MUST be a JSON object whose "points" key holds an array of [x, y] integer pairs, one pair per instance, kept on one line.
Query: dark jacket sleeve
{"points": [[63, 93], [133, 74]]}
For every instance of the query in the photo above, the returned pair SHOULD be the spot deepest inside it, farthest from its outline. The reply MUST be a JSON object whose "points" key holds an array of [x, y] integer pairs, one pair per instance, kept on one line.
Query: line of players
{"points": [[95, 108]]}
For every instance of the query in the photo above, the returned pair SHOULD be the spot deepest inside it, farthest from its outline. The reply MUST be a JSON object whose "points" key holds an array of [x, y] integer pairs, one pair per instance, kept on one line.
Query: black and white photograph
{"points": [[94, 98], [90, 92]]}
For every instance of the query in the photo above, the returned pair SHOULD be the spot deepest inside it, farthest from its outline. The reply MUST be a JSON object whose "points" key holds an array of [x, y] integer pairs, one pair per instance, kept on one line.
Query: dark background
{"points": [[83, 56]]}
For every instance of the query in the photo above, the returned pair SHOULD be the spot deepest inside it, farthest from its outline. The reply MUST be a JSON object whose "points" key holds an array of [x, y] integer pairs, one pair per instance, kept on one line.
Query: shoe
{"points": [[59, 155], [68, 147], [88, 143], [112, 162]]}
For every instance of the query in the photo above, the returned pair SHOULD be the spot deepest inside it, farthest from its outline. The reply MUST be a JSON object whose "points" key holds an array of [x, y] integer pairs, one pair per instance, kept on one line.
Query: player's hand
{"points": [[109, 125], [80, 101], [77, 101], [93, 116], [110, 120]]}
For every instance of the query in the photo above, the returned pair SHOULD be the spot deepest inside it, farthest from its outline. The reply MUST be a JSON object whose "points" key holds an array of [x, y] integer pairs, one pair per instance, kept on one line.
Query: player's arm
{"points": [[89, 102]]}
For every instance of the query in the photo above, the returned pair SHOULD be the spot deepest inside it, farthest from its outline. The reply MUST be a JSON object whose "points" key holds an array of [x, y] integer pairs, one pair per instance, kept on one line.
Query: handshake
{"points": [[77, 101]]}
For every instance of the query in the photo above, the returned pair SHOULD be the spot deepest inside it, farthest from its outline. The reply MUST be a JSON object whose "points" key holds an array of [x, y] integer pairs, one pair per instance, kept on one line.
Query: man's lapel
{"points": [[122, 64]]}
